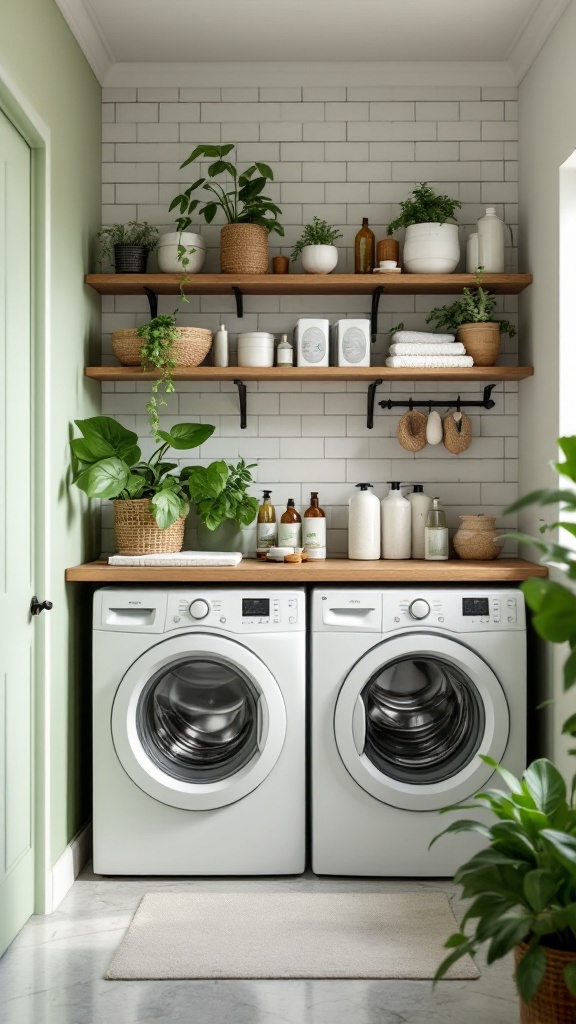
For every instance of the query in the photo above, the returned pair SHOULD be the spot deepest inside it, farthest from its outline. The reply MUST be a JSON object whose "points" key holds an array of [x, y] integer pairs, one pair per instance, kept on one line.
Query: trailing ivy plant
{"points": [[424, 207], [132, 233], [475, 307], [316, 233], [158, 335], [219, 492], [106, 463]]}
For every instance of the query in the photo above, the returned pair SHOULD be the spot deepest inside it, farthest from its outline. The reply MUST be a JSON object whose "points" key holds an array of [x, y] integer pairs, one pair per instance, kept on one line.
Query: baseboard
{"points": [[70, 863]]}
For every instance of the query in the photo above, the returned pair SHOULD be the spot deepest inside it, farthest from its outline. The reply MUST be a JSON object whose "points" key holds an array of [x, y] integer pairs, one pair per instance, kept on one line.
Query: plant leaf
{"points": [[187, 435], [539, 888], [464, 825], [564, 845], [106, 438], [570, 977], [167, 507], [545, 785], [530, 972], [105, 479], [513, 926]]}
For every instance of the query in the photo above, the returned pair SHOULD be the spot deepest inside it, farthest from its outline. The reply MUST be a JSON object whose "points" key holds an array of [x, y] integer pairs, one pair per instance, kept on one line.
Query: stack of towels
{"points": [[423, 348]]}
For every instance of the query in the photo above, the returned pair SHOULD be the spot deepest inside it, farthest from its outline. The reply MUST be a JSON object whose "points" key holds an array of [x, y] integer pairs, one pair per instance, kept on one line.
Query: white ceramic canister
{"points": [[421, 505], [364, 524], [256, 348], [431, 248], [311, 341], [491, 242], [472, 261], [319, 259], [396, 524], [194, 245]]}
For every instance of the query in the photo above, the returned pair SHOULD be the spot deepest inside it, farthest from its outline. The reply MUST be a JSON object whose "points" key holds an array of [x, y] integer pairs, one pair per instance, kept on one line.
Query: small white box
{"points": [[350, 343], [311, 340]]}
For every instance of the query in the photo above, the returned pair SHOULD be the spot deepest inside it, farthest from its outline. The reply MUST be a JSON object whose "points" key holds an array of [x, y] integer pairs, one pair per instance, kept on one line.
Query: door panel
{"points": [[16, 856]]}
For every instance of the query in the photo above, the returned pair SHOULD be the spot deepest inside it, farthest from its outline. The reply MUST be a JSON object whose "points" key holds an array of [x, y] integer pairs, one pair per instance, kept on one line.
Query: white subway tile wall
{"points": [[340, 154]]}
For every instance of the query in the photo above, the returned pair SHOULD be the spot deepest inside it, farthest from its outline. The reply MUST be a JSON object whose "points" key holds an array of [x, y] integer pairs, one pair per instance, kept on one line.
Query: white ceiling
{"points": [[164, 31]]}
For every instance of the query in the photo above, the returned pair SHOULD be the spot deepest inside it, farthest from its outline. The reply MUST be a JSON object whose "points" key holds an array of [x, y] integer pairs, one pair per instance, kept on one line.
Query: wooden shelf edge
{"points": [[333, 570], [328, 373]]}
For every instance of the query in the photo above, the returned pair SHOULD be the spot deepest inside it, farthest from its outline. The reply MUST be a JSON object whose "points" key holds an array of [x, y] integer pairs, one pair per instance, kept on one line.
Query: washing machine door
{"points": [[414, 716], [198, 721]]}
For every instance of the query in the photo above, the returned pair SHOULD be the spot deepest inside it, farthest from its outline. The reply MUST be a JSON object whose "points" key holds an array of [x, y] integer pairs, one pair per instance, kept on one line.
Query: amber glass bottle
{"points": [[314, 529], [266, 531], [364, 249], [290, 529]]}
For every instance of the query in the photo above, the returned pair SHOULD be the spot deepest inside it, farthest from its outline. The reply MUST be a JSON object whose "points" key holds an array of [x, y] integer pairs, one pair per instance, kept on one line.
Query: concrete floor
{"points": [[53, 972]]}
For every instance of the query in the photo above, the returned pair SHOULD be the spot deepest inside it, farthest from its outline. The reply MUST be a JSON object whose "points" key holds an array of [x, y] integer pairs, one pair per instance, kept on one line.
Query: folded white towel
{"points": [[429, 361], [179, 558], [456, 348], [421, 338]]}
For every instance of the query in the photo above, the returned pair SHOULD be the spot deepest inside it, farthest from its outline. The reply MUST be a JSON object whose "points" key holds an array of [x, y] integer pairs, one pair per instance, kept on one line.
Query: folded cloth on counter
{"points": [[456, 348], [429, 361], [421, 338], [179, 558]]}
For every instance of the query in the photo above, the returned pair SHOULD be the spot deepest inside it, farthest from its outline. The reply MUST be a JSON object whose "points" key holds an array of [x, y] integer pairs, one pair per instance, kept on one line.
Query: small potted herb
{"points": [[431, 243], [472, 318], [223, 506], [150, 502], [249, 214], [126, 246], [316, 247]]}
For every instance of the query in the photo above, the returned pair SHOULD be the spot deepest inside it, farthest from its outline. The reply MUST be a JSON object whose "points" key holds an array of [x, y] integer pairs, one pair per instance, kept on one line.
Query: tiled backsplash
{"points": [[340, 154]]}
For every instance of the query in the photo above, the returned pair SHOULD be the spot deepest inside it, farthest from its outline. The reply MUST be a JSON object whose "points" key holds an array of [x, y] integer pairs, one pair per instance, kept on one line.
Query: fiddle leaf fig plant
{"points": [[219, 492], [106, 463], [424, 207]]}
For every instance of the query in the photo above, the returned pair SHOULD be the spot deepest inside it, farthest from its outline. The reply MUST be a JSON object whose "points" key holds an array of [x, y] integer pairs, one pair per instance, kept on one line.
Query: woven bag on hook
{"points": [[457, 435], [412, 431]]}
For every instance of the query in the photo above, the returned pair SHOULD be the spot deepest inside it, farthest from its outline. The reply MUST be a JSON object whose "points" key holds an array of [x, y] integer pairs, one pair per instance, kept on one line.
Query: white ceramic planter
{"points": [[319, 259], [168, 261], [431, 249]]}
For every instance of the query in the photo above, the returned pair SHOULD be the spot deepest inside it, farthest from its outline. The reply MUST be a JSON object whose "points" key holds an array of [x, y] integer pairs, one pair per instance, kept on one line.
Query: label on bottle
{"points": [[436, 542], [266, 535], [289, 535], [313, 533]]}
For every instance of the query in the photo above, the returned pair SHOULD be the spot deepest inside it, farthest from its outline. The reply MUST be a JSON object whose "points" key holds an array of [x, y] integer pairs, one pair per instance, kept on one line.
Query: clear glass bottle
{"points": [[314, 529], [266, 530], [364, 249], [284, 352], [290, 528], [436, 534]]}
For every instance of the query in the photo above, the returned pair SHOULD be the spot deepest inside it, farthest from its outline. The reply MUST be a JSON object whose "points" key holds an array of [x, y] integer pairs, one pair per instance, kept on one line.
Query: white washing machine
{"points": [[199, 731], [409, 687]]}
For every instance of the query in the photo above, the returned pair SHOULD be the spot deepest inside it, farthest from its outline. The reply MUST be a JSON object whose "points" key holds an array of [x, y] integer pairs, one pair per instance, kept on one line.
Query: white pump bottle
{"points": [[364, 524], [396, 524]]}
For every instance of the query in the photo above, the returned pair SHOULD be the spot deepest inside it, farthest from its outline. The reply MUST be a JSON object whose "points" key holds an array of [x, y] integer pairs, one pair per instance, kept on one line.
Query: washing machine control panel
{"points": [[460, 611], [237, 611]]}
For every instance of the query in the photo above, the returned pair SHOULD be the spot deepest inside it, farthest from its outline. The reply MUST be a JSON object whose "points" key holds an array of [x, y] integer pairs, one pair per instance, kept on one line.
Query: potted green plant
{"points": [[472, 319], [523, 885], [316, 247], [249, 214], [431, 243], [150, 502], [223, 506], [126, 246]]}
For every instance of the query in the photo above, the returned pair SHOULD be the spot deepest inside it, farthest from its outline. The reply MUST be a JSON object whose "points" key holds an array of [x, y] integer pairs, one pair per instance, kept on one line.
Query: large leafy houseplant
{"points": [[107, 464], [424, 207], [523, 885], [475, 307], [219, 492]]}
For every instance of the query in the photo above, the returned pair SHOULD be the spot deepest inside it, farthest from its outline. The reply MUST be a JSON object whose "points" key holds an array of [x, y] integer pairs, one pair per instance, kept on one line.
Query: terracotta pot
{"points": [[476, 538], [244, 249], [553, 1002], [137, 532], [481, 341]]}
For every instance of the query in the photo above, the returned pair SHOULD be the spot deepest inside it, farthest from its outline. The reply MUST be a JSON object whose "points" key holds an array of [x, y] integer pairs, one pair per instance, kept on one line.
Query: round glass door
{"points": [[198, 721], [413, 717]]}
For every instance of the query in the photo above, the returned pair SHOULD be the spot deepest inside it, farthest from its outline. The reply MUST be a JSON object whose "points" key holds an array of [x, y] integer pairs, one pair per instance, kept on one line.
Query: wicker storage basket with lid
{"points": [[190, 348], [244, 249], [137, 532], [553, 1002]]}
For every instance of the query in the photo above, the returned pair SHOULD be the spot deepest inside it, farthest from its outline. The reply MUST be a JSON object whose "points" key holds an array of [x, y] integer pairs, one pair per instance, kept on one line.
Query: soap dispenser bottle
{"points": [[314, 529], [421, 505], [396, 524], [491, 242], [364, 524], [436, 533], [266, 530], [290, 529], [221, 352], [284, 352]]}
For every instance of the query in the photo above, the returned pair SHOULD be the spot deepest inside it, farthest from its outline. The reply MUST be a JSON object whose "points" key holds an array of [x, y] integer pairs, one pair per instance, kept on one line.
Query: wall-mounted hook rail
{"points": [[239, 301], [242, 399], [152, 301], [374, 311], [370, 407], [486, 402]]}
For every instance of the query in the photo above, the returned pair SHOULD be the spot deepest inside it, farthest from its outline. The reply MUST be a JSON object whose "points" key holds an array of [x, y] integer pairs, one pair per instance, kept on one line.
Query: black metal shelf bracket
{"points": [[242, 399], [239, 303], [374, 312], [486, 402], [370, 407], [153, 302]]}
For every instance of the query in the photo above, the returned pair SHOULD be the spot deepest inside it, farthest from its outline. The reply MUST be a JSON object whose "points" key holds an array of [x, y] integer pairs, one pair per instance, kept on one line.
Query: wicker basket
{"points": [[477, 538], [244, 249], [137, 532], [457, 440], [189, 349], [412, 431], [553, 1002], [481, 341], [130, 259]]}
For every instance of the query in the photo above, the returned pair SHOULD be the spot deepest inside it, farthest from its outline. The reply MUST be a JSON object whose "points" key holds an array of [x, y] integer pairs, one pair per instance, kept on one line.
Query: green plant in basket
{"points": [[219, 492], [107, 463], [475, 307], [319, 232], [132, 233]]}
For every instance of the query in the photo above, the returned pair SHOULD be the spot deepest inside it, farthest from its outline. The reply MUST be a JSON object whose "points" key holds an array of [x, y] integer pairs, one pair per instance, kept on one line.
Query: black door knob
{"points": [[37, 606]]}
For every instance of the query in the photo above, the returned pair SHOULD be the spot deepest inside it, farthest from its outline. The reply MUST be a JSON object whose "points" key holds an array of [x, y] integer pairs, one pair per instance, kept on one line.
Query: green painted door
{"points": [[16, 668]]}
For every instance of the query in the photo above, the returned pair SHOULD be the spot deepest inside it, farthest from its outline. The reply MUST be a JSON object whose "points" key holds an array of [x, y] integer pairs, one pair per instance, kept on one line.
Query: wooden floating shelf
{"points": [[308, 373], [304, 284], [332, 570]]}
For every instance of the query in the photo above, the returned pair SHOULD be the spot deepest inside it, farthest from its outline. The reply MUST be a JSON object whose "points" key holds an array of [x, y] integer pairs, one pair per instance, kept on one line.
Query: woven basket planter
{"points": [[130, 259], [137, 532], [553, 1002], [244, 249], [481, 341], [190, 348]]}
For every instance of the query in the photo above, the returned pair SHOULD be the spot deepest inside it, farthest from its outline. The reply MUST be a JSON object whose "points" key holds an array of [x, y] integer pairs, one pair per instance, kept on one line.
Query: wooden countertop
{"points": [[331, 570]]}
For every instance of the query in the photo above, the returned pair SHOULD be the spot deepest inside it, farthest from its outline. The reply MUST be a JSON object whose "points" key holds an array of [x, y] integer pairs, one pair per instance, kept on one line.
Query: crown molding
{"points": [[533, 35], [88, 37]]}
